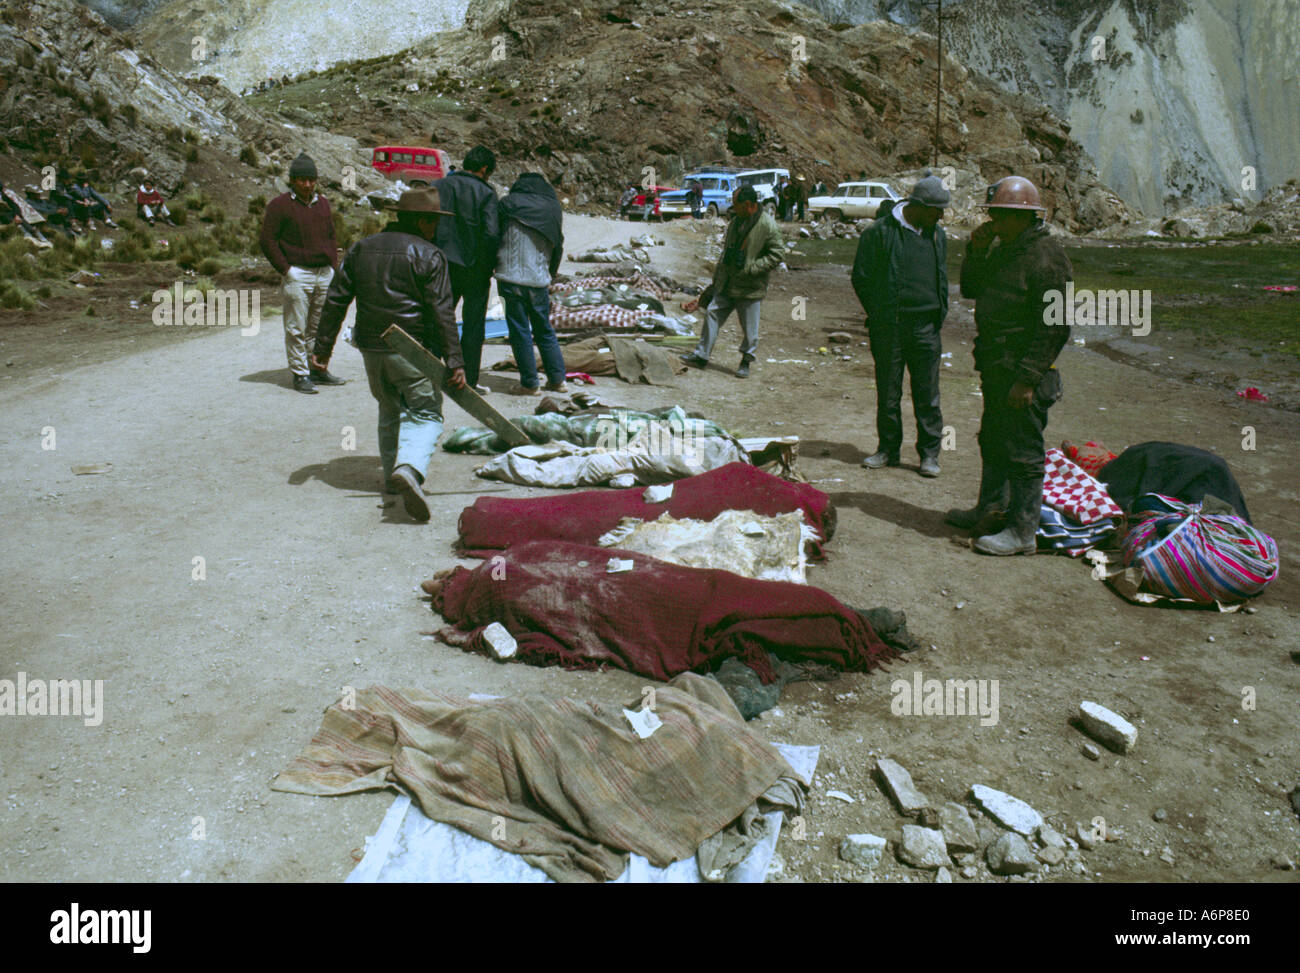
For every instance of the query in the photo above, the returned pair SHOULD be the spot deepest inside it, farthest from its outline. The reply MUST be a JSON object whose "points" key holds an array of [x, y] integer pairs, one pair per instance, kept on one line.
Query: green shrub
{"points": [[248, 156], [14, 297], [209, 267], [257, 205], [192, 155]]}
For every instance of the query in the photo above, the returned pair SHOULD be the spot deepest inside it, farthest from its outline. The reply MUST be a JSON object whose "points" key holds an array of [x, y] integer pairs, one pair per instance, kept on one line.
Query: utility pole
{"points": [[938, 84]]}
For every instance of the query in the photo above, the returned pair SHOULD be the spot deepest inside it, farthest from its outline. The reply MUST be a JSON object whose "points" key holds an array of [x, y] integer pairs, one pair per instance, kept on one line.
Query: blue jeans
{"points": [[528, 316], [410, 412]]}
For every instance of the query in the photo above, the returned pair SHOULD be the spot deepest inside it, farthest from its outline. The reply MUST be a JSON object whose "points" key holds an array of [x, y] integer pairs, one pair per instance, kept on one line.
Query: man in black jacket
{"points": [[1012, 267], [470, 240], [900, 277], [399, 277]]}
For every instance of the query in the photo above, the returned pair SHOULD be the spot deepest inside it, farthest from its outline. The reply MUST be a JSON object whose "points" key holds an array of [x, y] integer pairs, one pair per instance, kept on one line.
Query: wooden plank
{"points": [[469, 400]]}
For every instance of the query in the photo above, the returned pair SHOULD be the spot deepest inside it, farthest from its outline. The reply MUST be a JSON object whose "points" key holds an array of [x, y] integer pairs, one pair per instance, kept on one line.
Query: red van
{"points": [[413, 165]]}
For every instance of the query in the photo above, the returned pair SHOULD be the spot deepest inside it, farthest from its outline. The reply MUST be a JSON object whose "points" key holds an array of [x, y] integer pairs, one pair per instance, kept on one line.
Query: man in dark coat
{"points": [[470, 239], [900, 277], [1013, 269], [399, 277]]}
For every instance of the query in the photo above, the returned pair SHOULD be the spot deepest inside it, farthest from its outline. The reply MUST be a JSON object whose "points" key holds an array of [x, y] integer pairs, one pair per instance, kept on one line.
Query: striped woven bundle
{"points": [[637, 282], [596, 316], [1184, 553]]}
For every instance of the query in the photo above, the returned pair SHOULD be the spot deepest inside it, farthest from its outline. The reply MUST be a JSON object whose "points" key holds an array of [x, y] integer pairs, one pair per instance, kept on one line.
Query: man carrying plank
{"points": [[399, 277]]}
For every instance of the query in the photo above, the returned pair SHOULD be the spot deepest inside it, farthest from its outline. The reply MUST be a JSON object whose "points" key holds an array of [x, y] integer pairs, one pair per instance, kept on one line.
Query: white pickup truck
{"points": [[852, 201]]}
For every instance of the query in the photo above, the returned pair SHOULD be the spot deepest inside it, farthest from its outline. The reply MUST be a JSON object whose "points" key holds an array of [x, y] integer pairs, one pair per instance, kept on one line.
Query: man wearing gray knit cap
{"points": [[900, 277], [298, 239]]}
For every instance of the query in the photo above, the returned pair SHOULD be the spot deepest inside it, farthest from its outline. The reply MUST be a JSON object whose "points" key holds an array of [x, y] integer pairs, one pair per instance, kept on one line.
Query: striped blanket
{"points": [[636, 282], [1186, 553], [567, 784]]}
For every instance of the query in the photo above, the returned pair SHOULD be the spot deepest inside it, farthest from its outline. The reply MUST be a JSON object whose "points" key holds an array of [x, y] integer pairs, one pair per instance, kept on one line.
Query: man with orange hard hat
{"points": [[1012, 265]]}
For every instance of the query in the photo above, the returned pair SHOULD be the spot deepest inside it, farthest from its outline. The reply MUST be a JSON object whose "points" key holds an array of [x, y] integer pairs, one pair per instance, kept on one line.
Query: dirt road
{"points": [[214, 679]]}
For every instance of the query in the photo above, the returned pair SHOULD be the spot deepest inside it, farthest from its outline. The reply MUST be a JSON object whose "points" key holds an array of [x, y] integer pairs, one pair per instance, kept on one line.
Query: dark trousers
{"points": [[911, 341], [528, 316], [472, 284], [1011, 439]]}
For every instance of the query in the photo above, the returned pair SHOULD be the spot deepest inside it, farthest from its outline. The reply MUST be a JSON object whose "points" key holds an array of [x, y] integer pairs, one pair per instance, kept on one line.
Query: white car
{"points": [[764, 182], [852, 201]]}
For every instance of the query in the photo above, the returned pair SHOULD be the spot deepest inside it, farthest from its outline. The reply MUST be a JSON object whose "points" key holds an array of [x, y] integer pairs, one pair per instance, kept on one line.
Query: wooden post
{"points": [[469, 400]]}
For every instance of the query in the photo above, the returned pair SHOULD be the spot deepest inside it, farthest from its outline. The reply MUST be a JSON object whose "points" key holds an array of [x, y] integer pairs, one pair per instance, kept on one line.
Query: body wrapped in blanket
{"points": [[564, 607], [493, 524]]}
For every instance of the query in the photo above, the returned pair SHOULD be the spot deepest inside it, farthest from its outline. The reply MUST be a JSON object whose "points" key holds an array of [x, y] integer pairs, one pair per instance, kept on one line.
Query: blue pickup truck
{"points": [[718, 187]]}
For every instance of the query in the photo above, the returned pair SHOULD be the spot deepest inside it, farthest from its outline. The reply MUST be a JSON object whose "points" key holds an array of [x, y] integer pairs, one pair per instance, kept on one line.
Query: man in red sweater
{"points": [[298, 239]]}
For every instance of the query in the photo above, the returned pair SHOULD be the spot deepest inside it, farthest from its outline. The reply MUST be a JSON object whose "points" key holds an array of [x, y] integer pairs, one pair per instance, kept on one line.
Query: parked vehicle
{"points": [[415, 166], [852, 201], [764, 182], [718, 186], [637, 209]]}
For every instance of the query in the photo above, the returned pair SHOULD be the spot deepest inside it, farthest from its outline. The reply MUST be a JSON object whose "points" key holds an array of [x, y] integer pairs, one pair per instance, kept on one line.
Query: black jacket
{"points": [[1009, 282], [471, 237], [877, 269], [396, 278]]}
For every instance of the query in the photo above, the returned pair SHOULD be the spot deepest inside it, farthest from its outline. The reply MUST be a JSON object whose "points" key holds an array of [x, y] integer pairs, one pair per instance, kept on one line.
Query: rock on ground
{"points": [[863, 849], [1011, 855], [1008, 811], [897, 783], [922, 847], [1108, 727]]}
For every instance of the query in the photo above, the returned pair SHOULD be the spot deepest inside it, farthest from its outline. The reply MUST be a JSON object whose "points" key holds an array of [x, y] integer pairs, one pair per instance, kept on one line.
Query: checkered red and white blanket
{"points": [[594, 316], [1069, 489]]}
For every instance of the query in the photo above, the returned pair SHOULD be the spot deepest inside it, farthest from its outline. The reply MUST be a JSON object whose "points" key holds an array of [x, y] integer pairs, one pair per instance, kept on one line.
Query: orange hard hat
{"points": [[1012, 192]]}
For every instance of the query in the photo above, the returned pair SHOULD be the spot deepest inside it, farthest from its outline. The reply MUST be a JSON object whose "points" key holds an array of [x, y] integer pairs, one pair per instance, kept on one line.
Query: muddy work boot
{"points": [[405, 480], [987, 516], [1018, 537]]}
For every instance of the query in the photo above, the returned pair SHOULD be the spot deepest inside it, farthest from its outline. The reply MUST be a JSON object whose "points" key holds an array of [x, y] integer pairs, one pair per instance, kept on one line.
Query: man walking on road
{"points": [[298, 239], [1011, 268], [900, 277], [751, 249], [399, 277], [470, 239]]}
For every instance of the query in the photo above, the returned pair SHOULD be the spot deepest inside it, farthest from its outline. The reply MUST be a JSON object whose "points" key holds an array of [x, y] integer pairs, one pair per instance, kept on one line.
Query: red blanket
{"points": [[658, 620], [493, 524]]}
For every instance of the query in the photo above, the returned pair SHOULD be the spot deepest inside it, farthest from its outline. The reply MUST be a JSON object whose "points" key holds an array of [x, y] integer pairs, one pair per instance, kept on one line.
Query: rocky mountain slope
{"points": [[594, 95], [1183, 96], [74, 92]]}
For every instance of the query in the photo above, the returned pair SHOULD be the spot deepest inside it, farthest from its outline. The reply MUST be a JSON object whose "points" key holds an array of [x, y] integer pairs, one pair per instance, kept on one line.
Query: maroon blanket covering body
{"points": [[658, 620], [493, 524]]}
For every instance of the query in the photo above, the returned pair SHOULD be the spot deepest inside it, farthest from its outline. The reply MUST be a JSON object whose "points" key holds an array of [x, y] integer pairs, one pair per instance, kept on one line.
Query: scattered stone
{"points": [[1085, 836], [1108, 727], [1091, 752], [987, 833], [922, 847], [1283, 864], [957, 827], [943, 877], [897, 783], [1008, 811], [1011, 855], [1051, 855], [1049, 837], [841, 796], [840, 338], [863, 849], [1159, 814], [1167, 855], [1115, 834], [970, 871]]}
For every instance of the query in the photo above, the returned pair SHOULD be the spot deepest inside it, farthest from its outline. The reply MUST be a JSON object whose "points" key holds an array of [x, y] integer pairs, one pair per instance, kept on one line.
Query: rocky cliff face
{"points": [[1178, 98], [248, 41]]}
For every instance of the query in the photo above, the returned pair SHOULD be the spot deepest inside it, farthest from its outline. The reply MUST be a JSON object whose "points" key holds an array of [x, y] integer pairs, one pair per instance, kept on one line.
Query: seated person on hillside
{"points": [[149, 205], [16, 210], [96, 205], [56, 214]]}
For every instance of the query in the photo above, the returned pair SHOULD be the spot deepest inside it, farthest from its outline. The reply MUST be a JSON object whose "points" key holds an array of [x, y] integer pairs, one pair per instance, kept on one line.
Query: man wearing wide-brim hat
{"points": [[399, 277], [900, 277]]}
